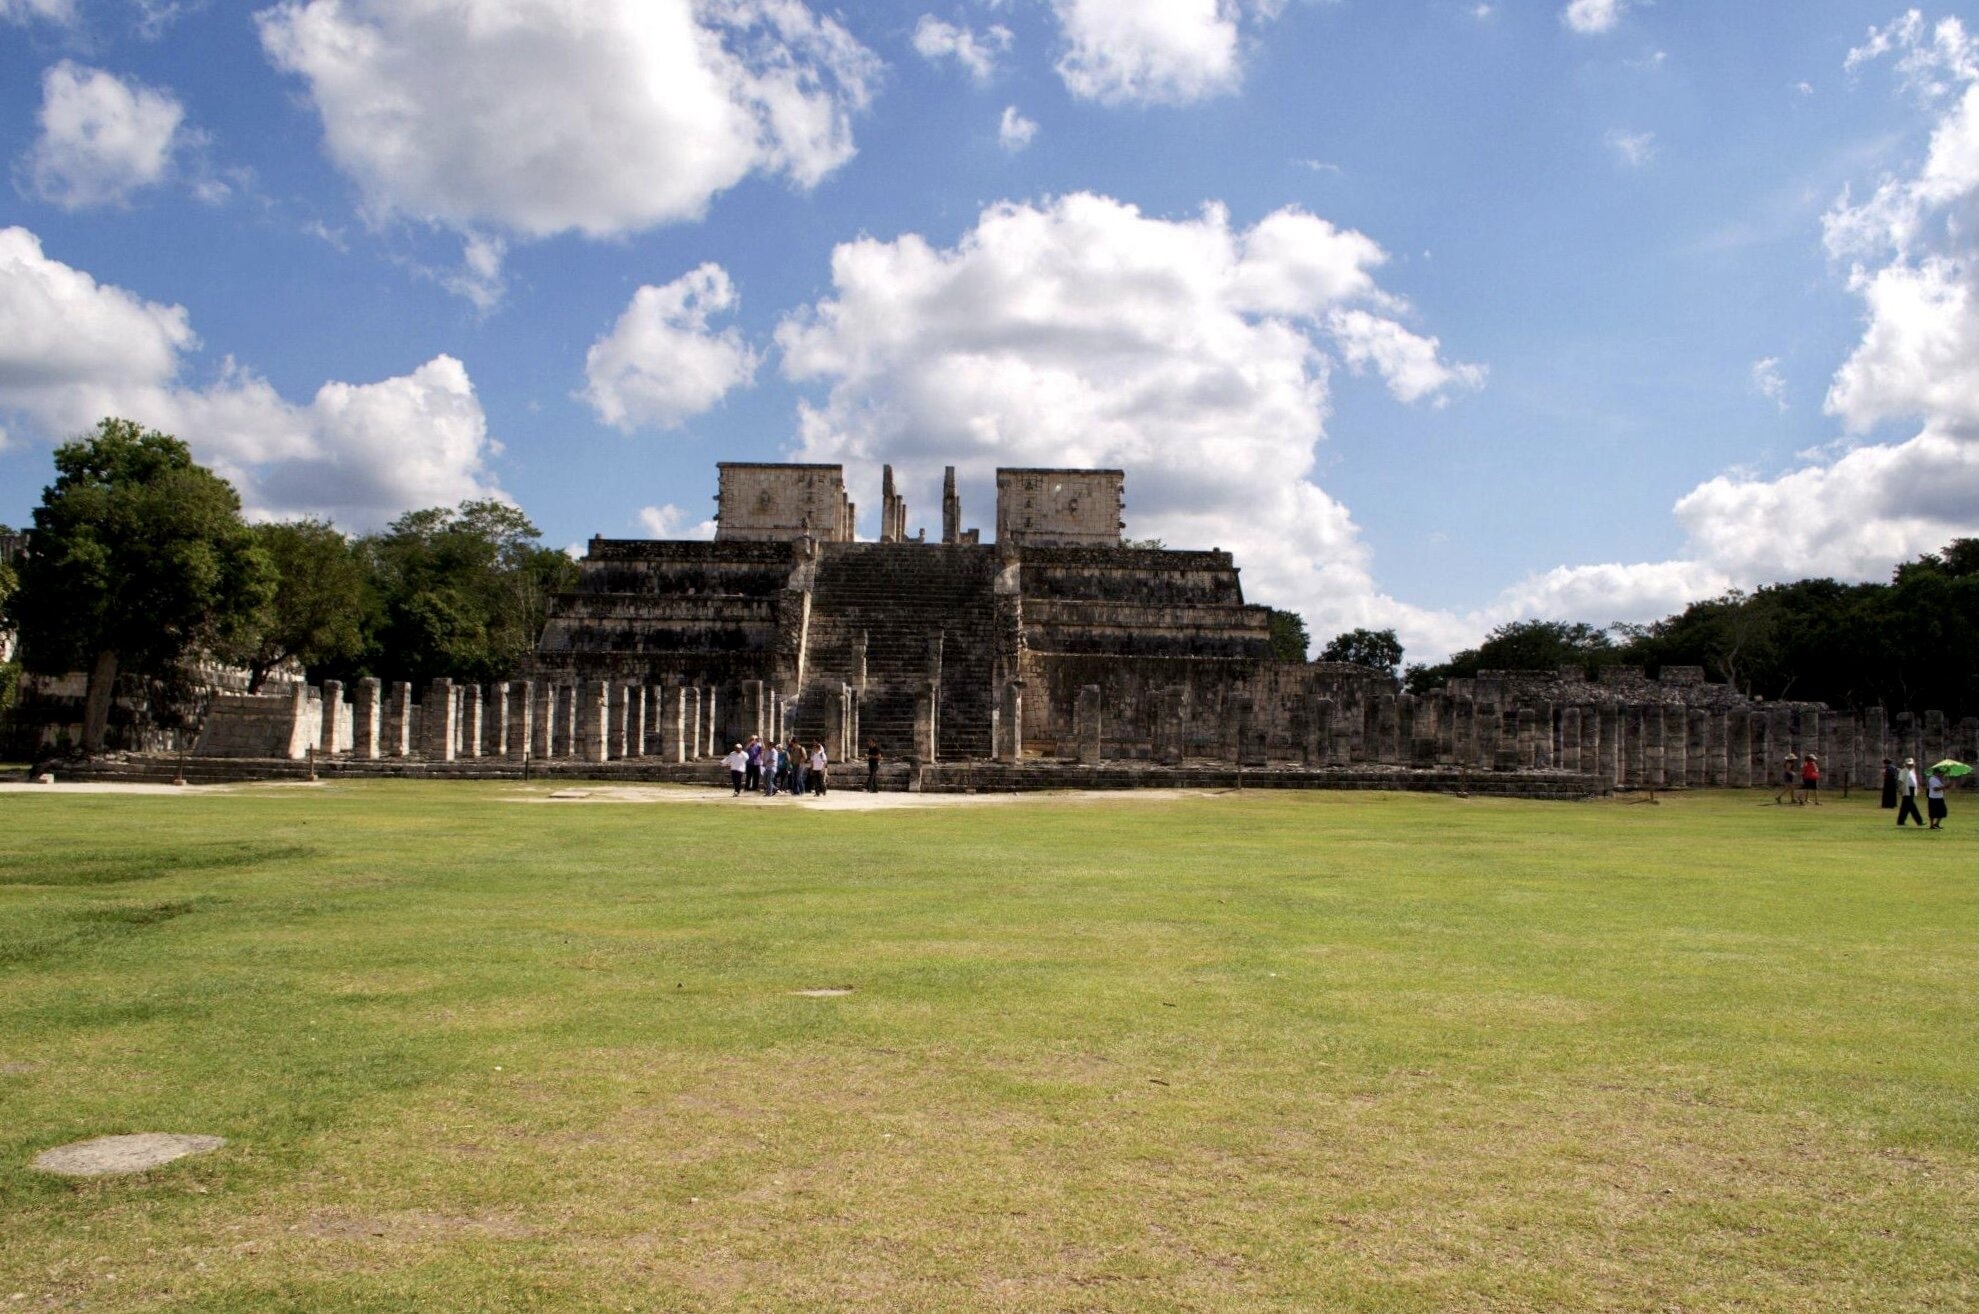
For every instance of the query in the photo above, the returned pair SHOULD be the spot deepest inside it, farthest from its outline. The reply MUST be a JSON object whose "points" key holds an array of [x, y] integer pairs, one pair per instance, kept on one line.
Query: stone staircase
{"points": [[903, 599]]}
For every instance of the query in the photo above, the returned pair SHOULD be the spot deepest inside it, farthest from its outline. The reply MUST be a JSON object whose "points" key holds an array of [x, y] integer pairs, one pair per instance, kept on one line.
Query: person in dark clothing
{"points": [[1907, 793], [1889, 783], [752, 775], [872, 766]]}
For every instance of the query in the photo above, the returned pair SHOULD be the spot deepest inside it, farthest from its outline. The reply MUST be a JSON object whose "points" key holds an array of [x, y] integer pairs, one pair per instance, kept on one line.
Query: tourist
{"points": [[872, 766], [753, 773], [1907, 792], [1934, 802], [1789, 781], [799, 765], [1810, 780], [818, 763], [770, 756], [1889, 783], [737, 763]]}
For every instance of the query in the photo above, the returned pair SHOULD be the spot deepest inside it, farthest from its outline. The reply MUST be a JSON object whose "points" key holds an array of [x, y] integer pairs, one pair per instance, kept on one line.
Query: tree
{"points": [[1379, 649], [1289, 640], [139, 558], [318, 610], [461, 592]]}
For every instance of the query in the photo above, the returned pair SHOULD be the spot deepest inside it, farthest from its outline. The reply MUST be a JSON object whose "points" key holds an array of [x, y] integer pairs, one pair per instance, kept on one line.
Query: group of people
{"points": [[1800, 782], [790, 768], [1900, 792]]}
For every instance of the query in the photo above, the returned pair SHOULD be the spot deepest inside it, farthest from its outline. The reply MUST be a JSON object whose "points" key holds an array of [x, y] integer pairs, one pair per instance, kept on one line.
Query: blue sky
{"points": [[1437, 314]]}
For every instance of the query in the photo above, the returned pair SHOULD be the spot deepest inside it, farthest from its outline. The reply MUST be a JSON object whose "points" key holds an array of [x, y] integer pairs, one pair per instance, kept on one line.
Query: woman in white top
{"points": [[1934, 803], [737, 762], [818, 763]]}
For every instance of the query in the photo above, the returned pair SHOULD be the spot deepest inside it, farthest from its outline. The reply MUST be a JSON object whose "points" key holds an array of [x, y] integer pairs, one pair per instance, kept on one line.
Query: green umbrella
{"points": [[1951, 767]]}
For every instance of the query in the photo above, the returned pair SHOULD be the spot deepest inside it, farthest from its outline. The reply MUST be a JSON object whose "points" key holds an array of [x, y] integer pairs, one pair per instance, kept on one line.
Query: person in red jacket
{"points": [[1810, 780]]}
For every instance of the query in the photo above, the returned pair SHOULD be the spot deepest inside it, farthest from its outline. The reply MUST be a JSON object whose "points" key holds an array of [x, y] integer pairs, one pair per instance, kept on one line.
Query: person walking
{"points": [[1934, 801], [872, 766], [737, 763], [1810, 780], [753, 773], [770, 756], [1907, 793], [800, 766], [818, 764], [1889, 783], [1789, 782]]}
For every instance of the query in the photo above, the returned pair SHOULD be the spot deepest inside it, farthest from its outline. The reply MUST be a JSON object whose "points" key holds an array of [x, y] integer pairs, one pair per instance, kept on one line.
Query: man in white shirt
{"points": [[737, 763], [1907, 792]]}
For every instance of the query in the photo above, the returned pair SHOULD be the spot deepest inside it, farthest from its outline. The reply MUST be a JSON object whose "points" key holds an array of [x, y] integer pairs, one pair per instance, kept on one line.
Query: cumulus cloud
{"points": [[1013, 131], [101, 138], [603, 117], [976, 53], [73, 350], [661, 365], [1908, 253], [670, 521], [1589, 17], [1080, 331], [1155, 51]]}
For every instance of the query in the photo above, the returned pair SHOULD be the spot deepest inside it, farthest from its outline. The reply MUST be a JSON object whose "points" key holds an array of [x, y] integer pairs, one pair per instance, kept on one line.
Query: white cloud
{"points": [[101, 137], [670, 521], [1481, 11], [1154, 51], [1768, 382], [1081, 332], [1593, 16], [935, 40], [660, 365], [1635, 148], [1856, 513], [604, 117], [53, 11], [1411, 364], [73, 350], [1013, 131]]}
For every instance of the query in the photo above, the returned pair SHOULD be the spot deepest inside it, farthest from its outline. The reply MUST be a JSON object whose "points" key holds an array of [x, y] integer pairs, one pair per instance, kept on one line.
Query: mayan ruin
{"points": [[1053, 656]]}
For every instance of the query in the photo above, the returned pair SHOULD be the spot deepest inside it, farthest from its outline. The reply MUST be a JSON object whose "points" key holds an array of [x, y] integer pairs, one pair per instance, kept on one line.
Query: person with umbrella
{"points": [[1907, 793], [1934, 788]]}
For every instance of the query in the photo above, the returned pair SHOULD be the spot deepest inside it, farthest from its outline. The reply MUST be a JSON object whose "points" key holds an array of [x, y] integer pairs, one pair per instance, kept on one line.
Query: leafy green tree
{"points": [[1379, 649], [140, 558], [461, 592], [1289, 640], [317, 614]]}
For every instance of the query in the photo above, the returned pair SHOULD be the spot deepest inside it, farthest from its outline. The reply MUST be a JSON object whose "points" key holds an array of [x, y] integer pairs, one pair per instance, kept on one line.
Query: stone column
{"points": [[673, 723], [367, 720], [1608, 754], [438, 725], [1010, 722], [594, 721], [1527, 729], [1934, 741], [521, 702], [333, 706], [1542, 737], [1716, 769], [1876, 734], [755, 718], [1463, 725], [543, 743], [398, 720], [1779, 736], [1388, 730], [470, 720], [567, 721], [1810, 737], [636, 725], [924, 721], [1738, 749], [1489, 726], [711, 729], [1426, 730], [1569, 759], [1590, 742], [615, 719], [494, 742], [690, 702], [1676, 746], [1319, 732], [1087, 728]]}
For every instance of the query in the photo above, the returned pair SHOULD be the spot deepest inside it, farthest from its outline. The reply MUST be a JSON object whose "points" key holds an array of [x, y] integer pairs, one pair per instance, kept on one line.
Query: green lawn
{"points": [[1277, 1051]]}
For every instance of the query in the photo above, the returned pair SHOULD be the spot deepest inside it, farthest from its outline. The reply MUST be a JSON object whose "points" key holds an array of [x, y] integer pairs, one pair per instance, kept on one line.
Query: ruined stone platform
{"points": [[986, 777]]}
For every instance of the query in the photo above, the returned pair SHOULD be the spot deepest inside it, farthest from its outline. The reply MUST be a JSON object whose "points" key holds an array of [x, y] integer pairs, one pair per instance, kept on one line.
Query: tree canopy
{"points": [[1379, 649], [317, 615], [1289, 640], [139, 556]]}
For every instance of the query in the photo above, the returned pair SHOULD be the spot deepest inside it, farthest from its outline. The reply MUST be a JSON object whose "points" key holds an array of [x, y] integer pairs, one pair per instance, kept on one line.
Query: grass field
{"points": [[1257, 1051]]}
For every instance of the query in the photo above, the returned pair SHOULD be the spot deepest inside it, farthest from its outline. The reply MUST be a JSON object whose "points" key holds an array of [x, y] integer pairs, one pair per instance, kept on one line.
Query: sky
{"points": [[1438, 315]]}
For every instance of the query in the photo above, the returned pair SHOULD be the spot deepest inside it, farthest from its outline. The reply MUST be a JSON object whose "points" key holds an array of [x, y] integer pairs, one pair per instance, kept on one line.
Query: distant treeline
{"points": [[1909, 645]]}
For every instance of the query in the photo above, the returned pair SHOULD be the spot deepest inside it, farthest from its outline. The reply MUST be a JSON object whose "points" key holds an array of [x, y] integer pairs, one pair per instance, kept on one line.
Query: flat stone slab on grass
{"points": [[109, 1156], [824, 992]]}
